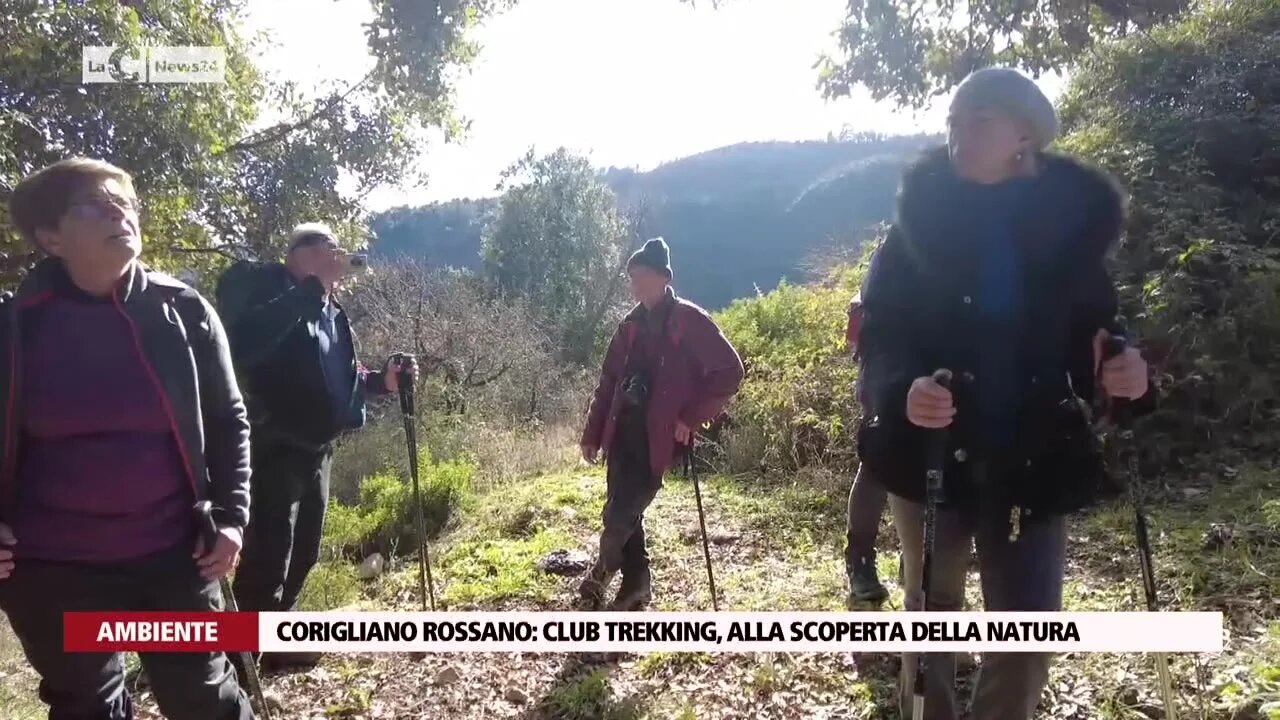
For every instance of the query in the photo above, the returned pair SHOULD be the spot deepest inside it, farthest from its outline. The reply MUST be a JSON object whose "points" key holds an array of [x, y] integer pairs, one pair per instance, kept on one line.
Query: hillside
{"points": [[737, 218]]}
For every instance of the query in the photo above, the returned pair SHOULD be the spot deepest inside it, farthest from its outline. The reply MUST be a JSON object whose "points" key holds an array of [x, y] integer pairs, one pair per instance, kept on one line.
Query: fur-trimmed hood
{"points": [[1068, 201]]}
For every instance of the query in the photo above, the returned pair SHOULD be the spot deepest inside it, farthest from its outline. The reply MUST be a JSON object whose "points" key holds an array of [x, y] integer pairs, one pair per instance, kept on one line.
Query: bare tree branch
{"points": [[474, 349], [283, 130], [227, 251]]}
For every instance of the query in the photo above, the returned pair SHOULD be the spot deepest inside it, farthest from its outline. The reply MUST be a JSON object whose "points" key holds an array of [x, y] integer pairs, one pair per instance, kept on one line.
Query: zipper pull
{"points": [[1015, 523]]}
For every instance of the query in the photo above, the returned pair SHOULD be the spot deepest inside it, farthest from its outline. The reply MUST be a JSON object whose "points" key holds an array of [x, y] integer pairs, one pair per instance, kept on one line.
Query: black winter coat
{"points": [[920, 316], [274, 342]]}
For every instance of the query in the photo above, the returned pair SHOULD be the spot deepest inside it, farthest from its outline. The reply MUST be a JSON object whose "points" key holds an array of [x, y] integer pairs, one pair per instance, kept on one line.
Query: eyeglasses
{"points": [[102, 207]]}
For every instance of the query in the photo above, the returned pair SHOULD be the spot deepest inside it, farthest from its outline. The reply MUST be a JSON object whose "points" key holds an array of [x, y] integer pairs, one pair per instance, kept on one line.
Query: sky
{"points": [[631, 83]]}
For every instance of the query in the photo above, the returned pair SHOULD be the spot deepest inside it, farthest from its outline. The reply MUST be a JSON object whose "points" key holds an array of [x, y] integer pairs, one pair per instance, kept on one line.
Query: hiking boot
{"points": [[592, 589], [634, 594], [864, 585]]}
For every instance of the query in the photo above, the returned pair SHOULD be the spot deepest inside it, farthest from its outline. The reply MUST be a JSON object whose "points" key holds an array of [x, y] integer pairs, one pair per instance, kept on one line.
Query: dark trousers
{"points": [[867, 500], [631, 487], [1020, 576], [90, 686], [289, 495]]}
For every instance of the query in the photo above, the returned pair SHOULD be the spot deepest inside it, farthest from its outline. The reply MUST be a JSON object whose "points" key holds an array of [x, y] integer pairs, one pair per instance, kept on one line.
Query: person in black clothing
{"points": [[995, 270], [294, 350], [867, 501]]}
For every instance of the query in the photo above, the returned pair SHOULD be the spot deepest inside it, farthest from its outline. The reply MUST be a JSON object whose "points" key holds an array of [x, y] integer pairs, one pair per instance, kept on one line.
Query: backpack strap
{"points": [[853, 327]]}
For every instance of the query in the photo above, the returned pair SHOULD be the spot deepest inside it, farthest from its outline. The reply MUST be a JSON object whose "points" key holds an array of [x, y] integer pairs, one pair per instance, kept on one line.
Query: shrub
{"points": [[797, 405], [377, 447], [1186, 118], [384, 517], [506, 451]]}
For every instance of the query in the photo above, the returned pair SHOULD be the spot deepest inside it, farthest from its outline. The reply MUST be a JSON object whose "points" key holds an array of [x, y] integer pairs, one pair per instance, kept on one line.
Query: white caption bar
{"points": [[740, 632]]}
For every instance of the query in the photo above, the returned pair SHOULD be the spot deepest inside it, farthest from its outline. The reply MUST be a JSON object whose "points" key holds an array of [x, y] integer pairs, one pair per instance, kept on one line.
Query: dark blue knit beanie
{"points": [[655, 255]]}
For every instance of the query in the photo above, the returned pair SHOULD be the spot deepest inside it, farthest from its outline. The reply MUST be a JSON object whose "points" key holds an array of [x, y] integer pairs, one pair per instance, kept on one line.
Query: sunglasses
{"points": [[312, 240]]}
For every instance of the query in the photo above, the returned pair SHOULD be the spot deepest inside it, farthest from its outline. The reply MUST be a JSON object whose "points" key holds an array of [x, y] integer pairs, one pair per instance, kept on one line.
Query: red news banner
{"points": [[366, 632]]}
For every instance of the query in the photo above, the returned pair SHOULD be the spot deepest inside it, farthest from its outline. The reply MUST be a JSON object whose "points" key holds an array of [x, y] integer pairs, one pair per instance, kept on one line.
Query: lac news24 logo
{"points": [[159, 64]]}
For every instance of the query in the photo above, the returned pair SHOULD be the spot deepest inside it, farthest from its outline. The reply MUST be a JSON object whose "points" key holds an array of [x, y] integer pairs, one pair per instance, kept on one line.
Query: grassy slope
{"points": [[782, 549]]}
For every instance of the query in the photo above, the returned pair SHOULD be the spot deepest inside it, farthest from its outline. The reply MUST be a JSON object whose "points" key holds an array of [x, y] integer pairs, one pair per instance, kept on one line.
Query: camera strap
{"points": [[672, 328]]}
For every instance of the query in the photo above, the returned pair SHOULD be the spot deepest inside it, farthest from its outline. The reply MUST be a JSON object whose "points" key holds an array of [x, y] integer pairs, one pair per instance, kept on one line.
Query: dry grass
{"points": [[17, 681], [501, 452], [505, 455]]}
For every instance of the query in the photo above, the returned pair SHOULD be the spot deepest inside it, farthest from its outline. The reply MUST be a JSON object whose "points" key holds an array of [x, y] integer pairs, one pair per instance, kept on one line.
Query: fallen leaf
{"points": [[447, 676], [515, 696]]}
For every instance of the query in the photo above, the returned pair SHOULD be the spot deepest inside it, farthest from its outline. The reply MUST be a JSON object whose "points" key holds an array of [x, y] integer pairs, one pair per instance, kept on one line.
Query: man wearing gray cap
{"points": [[994, 270]]}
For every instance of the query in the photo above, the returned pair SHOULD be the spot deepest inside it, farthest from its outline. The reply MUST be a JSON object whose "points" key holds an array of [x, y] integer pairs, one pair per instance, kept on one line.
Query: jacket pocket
{"points": [[892, 451], [1066, 471]]}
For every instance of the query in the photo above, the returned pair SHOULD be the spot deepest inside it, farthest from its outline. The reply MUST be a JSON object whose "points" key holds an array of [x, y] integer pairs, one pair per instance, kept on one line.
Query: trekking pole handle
{"points": [[937, 452], [1121, 411], [942, 376], [403, 359], [205, 525], [406, 388]]}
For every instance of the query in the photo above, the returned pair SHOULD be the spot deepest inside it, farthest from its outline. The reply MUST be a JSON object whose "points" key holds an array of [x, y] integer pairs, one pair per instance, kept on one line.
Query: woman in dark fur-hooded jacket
{"points": [[995, 271]]}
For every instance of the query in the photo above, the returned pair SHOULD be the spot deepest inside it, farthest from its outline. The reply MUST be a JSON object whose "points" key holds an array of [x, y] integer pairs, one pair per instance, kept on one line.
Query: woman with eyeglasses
{"points": [[995, 270], [122, 412]]}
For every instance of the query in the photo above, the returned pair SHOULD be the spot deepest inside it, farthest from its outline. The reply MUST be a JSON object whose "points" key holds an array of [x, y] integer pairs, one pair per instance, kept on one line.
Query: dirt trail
{"points": [[779, 547]]}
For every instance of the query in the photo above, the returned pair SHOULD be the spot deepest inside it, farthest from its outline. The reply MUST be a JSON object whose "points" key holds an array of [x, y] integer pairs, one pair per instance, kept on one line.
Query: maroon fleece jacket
{"points": [[696, 371]]}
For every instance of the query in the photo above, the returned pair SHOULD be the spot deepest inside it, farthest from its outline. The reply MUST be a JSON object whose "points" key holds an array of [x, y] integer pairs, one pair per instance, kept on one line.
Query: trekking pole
{"points": [[426, 586], [1122, 414], [936, 459], [692, 475], [209, 534]]}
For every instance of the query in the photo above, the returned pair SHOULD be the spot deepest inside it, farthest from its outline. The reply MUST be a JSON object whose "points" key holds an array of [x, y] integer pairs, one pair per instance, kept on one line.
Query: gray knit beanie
{"points": [[1011, 92]]}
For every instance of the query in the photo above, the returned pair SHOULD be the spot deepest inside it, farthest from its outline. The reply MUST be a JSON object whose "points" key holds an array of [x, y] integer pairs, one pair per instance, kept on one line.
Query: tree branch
{"points": [[279, 132], [225, 250], [492, 377]]}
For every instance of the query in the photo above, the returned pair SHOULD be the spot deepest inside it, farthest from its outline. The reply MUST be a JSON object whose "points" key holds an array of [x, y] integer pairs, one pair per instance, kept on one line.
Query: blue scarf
{"points": [[1000, 306]]}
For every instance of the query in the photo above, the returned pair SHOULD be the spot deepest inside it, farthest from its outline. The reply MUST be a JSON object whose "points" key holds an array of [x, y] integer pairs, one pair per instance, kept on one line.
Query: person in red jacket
{"points": [[668, 371]]}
